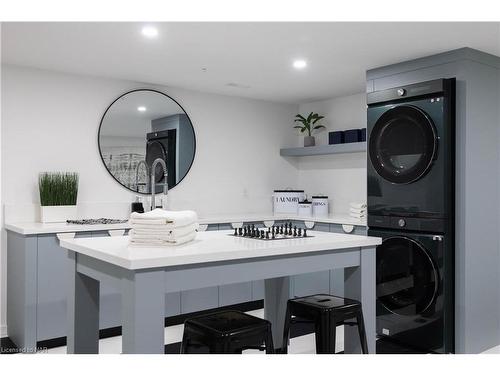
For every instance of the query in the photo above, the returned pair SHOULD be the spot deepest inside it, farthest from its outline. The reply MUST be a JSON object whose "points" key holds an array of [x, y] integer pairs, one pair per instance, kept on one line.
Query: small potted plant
{"points": [[58, 193], [309, 124]]}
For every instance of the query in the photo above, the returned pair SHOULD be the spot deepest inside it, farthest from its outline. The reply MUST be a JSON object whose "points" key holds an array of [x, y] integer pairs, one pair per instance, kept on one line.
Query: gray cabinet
{"points": [[199, 299], [232, 294], [51, 287]]}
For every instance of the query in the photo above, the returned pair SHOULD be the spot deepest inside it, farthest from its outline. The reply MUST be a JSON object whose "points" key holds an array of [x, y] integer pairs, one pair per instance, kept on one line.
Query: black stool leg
{"points": [[269, 341], [286, 329], [362, 332], [325, 330], [185, 342]]}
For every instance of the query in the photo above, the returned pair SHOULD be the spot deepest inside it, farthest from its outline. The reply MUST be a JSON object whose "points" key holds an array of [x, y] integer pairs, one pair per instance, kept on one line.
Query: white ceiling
{"points": [[256, 56]]}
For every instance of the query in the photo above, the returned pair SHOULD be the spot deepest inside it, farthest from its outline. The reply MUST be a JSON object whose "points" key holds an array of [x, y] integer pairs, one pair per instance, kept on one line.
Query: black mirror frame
{"points": [[99, 137]]}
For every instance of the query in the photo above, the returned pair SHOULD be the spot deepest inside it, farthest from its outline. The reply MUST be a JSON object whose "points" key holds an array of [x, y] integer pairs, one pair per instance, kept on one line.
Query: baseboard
{"points": [[3, 331]]}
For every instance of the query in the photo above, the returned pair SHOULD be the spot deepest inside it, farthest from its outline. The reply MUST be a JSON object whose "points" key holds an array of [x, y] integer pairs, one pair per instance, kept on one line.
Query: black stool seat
{"points": [[327, 312], [228, 331]]}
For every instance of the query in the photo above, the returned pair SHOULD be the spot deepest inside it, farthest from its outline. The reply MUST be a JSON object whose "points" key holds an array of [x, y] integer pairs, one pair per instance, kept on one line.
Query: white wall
{"points": [[342, 177], [50, 122]]}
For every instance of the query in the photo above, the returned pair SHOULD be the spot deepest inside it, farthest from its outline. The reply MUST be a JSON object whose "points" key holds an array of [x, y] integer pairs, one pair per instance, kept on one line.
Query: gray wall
{"points": [[477, 250]]}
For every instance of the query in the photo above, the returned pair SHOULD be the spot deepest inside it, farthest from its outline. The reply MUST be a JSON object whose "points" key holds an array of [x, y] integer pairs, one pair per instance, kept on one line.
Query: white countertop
{"points": [[27, 228], [30, 228], [209, 247]]}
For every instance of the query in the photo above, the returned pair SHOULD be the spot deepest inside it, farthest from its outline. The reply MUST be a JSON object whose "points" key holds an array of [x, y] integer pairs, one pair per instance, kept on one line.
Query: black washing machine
{"points": [[411, 138], [415, 290]]}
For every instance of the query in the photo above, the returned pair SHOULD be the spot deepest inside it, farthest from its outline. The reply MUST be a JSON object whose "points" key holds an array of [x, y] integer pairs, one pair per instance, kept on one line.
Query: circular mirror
{"points": [[139, 128]]}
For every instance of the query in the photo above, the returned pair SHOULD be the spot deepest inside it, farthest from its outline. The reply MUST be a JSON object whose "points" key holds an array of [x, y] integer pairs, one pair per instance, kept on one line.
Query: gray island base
{"points": [[144, 275]]}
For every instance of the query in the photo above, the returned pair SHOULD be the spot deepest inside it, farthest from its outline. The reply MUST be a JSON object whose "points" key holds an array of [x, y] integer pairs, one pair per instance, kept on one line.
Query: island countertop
{"points": [[210, 247]]}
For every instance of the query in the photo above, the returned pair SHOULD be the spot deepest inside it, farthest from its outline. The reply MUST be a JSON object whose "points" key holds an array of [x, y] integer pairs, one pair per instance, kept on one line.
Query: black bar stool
{"points": [[327, 312], [228, 332]]}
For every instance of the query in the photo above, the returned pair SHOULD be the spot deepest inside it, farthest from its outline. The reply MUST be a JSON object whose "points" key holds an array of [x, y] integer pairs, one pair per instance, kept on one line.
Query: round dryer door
{"points": [[407, 277], [403, 144]]}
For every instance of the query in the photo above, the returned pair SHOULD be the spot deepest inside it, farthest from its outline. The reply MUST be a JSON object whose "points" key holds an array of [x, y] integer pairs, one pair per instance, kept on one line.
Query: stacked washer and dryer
{"points": [[411, 145]]}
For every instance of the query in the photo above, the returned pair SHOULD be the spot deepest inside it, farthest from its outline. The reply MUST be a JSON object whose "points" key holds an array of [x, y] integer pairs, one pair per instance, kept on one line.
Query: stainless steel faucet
{"points": [[153, 183], [142, 162]]}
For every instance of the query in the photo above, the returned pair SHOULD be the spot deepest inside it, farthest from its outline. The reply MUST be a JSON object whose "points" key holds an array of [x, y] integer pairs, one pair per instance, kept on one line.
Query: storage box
{"points": [[335, 137], [352, 135], [287, 201], [320, 205]]}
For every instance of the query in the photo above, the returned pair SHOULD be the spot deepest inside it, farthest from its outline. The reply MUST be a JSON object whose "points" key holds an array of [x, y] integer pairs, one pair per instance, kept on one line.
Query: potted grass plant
{"points": [[309, 125], [58, 194]]}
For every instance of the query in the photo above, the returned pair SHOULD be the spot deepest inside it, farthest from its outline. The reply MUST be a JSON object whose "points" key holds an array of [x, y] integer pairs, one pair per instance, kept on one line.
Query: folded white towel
{"points": [[357, 205], [357, 216], [165, 229], [163, 233], [159, 216], [357, 210], [161, 242]]}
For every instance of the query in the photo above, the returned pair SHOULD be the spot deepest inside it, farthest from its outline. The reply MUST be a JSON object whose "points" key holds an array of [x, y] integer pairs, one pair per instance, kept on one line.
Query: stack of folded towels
{"points": [[162, 228], [357, 210]]}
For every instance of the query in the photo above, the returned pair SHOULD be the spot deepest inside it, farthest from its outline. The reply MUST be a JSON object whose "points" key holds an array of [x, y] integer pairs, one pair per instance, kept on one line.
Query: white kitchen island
{"points": [[144, 275]]}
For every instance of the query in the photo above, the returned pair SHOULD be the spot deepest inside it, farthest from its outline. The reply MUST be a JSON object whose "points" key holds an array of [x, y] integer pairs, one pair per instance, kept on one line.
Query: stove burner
{"points": [[276, 232], [102, 220]]}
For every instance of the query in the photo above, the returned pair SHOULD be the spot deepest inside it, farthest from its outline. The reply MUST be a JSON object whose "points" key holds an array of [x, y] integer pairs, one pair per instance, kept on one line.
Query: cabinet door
{"points": [[315, 282], [199, 299], [52, 281], [232, 294]]}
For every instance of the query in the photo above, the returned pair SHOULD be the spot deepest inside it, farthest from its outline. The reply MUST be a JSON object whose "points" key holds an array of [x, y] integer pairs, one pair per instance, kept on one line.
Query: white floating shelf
{"points": [[343, 148]]}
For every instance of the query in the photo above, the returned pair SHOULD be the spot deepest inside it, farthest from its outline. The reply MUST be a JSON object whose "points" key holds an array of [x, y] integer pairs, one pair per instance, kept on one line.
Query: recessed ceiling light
{"points": [[149, 32], [299, 64], [141, 108]]}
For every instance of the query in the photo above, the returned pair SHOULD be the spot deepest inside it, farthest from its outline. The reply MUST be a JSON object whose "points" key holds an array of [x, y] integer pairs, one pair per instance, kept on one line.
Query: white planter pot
{"points": [[57, 214]]}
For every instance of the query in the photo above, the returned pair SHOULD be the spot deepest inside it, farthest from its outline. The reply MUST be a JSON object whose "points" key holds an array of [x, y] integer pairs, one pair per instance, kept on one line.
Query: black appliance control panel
{"points": [[407, 223]]}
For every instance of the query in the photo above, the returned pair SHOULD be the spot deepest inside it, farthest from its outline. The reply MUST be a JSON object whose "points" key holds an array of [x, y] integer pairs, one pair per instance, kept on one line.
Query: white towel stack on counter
{"points": [[357, 211], [162, 228]]}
